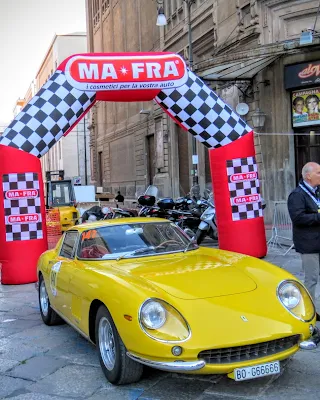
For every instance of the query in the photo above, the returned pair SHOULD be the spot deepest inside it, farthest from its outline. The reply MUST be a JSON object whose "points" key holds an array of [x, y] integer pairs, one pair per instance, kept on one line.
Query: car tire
{"points": [[118, 368], [48, 315], [214, 234]]}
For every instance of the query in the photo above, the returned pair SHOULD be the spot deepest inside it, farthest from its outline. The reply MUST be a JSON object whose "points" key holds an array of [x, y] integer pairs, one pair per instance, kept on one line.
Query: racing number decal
{"points": [[54, 276]]}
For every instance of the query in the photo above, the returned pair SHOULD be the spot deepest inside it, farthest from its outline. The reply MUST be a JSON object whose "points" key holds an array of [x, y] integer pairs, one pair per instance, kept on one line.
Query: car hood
{"points": [[193, 275]]}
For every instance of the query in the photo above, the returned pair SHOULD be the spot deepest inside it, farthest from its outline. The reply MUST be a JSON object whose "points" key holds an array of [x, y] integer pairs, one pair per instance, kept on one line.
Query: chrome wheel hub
{"points": [[107, 344], [44, 299]]}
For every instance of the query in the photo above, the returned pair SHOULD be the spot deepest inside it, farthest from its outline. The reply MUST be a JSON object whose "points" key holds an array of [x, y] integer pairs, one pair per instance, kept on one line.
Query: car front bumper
{"points": [[311, 343], [171, 366]]}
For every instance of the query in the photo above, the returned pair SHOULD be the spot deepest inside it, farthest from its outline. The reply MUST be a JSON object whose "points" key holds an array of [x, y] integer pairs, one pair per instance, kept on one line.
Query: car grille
{"points": [[248, 352], [74, 215]]}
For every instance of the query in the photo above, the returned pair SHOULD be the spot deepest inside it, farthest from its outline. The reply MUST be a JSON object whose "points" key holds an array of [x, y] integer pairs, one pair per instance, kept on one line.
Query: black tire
{"points": [[124, 370], [49, 317], [214, 234], [200, 236]]}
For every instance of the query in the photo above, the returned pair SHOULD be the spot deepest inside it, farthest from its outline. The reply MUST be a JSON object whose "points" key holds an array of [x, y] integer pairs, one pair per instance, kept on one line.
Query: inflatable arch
{"points": [[75, 86]]}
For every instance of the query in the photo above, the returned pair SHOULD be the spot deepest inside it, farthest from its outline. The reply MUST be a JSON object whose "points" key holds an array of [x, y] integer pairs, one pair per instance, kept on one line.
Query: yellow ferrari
{"points": [[145, 294]]}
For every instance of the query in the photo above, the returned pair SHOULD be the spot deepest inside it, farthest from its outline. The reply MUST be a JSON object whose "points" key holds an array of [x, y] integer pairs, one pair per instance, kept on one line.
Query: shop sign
{"points": [[299, 75]]}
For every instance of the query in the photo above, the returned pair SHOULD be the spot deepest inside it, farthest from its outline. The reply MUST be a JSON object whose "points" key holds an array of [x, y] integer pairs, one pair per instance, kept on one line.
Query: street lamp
{"points": [[194, 141], [258, 118], [162, 21]]}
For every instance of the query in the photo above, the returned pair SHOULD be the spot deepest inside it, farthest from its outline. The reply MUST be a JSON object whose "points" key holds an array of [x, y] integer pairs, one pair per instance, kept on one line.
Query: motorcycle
{"points": [[208, 225], [96, 213], [176, 211]]}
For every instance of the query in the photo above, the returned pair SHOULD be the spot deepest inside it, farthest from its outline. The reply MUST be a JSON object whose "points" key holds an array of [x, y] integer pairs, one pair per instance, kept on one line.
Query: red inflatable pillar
{"points": [[23, 235], [237, 198]]}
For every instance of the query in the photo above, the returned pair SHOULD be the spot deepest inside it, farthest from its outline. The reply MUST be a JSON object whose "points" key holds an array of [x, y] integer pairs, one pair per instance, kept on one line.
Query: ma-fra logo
{"points": [[123, 72], [22, 194], [23, 219]]}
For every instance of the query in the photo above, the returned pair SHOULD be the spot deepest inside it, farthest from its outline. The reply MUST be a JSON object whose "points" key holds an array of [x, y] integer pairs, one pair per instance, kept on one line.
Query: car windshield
{"points": [[133, 240], [61, 194]]}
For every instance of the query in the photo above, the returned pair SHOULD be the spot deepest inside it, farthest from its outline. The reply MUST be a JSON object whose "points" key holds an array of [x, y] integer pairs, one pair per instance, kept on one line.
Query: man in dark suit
{"points": [[304, 210]]}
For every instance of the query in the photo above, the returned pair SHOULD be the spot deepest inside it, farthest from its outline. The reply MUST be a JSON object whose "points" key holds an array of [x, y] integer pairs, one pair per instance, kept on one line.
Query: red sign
{"points": [[246, 176], [311, 70], [22, 194], [252, 198], [126, 72], [23, 219]]}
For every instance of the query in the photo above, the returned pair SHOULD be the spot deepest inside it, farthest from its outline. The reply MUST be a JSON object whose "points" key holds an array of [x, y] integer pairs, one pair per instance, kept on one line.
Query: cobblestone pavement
{"points": [[41, 363]]}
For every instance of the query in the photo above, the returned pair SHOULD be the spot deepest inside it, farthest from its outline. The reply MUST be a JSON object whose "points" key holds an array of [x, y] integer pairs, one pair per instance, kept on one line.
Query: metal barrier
{"points": [[281, 227]]}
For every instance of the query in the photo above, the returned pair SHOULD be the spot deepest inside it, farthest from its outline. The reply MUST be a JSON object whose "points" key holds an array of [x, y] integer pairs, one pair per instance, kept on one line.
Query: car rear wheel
{"points": [[48, 315], [118, 368]]}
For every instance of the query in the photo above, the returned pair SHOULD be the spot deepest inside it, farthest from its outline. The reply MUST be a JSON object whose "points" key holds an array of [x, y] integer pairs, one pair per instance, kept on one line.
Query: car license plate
{"points": [[256, 371]]}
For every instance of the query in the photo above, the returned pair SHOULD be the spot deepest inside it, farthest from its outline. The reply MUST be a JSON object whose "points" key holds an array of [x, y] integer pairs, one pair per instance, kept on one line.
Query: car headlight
{"points": [[162, 322], [289, 295], [153, 315], [295, 298]]}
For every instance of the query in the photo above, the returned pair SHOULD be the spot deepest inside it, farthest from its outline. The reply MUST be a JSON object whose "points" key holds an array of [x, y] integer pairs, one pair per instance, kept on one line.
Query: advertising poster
{"points": [[305, 107]]}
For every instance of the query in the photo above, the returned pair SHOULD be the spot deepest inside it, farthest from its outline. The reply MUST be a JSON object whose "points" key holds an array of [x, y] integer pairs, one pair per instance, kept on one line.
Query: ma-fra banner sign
{"points": [[301, 75]]}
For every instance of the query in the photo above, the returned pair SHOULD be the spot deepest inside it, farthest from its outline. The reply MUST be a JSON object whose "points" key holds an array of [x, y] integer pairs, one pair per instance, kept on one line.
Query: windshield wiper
{"points": [[138, 251]]}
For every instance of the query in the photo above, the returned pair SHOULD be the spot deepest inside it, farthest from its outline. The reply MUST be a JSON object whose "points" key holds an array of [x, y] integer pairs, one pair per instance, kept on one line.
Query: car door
{"points": [[60, 274], [91, 247]]}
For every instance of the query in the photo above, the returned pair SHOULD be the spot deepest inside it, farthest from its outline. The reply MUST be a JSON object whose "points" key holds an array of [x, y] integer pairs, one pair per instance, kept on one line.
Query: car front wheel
{"points": [[48, 315], [118, 368]]}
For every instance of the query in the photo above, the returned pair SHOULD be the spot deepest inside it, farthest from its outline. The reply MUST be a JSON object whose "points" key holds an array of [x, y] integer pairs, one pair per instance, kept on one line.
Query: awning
{"points": [[242, 69]]}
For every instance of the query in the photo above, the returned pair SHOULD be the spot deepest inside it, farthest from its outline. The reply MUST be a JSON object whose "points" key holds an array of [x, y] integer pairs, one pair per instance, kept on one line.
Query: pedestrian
{"points": [[119, 198], [304, 210]]}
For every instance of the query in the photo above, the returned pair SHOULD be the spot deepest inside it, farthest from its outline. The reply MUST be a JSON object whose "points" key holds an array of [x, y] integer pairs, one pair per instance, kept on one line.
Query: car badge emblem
{"points": [[244, 318]]}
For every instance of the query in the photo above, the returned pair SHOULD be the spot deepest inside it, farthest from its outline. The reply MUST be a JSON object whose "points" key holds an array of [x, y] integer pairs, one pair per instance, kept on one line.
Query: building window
{"points": [[95, 12], [168, 9], [105, 5], [246, 16], [174, 6]]}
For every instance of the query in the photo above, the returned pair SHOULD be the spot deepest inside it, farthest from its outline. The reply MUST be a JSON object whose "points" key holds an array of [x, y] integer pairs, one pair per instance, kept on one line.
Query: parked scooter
{"points": [[208, 225]]}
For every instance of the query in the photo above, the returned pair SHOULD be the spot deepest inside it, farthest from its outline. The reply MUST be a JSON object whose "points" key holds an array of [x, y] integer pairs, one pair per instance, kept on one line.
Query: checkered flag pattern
{"points": [[48, 116], [199, 110], [18, 209], [244, 188]]}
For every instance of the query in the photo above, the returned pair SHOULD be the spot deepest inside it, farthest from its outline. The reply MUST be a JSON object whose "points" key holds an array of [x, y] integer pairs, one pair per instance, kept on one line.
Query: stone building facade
{"points": [[70, 154], [242, 49]]}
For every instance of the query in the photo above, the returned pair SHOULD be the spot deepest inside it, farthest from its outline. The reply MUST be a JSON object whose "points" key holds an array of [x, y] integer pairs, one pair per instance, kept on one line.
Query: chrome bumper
{"points": [[311, 343], [174, 366]]}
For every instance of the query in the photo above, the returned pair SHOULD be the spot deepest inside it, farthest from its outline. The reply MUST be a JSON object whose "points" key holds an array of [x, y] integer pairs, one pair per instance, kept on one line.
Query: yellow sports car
{"points": [[145, 294]]}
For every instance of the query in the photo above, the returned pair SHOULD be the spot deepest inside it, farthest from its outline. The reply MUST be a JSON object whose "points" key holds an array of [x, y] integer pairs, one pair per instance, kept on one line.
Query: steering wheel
{"points": [[168, 241]]}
